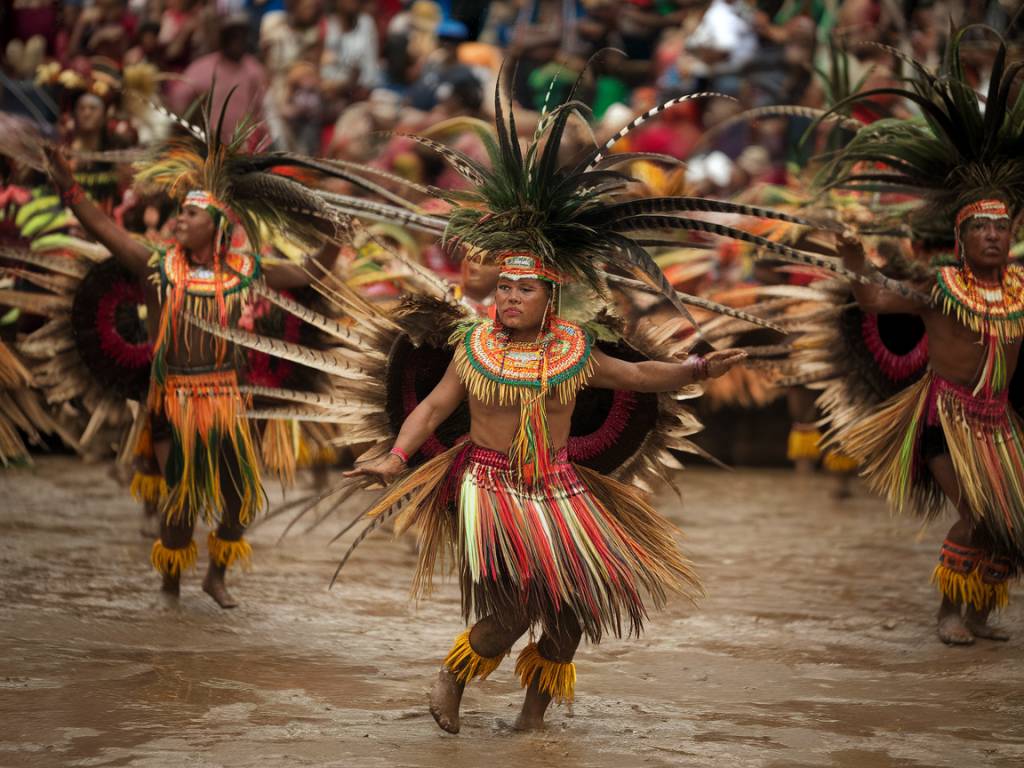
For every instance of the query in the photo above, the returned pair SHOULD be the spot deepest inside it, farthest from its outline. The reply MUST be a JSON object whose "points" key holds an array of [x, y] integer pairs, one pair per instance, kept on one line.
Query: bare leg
{"points": [[560, 648], [490, 637], [977, 623], [230, 529], [951, 627], [176, 535], [802, 413]]}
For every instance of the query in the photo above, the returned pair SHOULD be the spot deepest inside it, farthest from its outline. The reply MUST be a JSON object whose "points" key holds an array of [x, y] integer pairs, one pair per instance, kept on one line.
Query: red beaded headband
{"points": [[526, 266]]}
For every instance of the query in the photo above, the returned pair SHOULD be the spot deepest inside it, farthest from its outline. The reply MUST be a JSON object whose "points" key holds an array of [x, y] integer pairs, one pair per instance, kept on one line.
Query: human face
{"points": [[88, 114], [479, 280], [194, 230], [521, 305], [986, 244]]}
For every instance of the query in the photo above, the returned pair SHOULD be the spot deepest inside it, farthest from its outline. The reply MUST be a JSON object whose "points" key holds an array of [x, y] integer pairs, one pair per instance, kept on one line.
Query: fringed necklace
{"points": [[496, 369], [211, 293], [995, 310]]}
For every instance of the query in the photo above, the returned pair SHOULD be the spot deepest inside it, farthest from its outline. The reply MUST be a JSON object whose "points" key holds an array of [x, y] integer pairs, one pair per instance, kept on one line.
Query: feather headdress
{"points": [[251, 187], [961, 148], [579, 217]]}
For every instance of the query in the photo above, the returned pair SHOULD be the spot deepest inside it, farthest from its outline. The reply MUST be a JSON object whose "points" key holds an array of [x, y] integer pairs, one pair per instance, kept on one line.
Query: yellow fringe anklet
{"points": [[962, 587], [466, 664], [803, 444], [557, 679], [225, 553], [148, 488], [839, 463], [171, 562]]}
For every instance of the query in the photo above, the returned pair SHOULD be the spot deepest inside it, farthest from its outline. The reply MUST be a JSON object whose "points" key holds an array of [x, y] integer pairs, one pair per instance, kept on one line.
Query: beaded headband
{"points": [[526, 266], [203, 199], [980, 209]]}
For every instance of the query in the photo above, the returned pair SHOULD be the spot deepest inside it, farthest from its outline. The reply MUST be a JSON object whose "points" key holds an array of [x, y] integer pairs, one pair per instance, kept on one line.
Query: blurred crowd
{"points": [[346, 78], [332, 77]]}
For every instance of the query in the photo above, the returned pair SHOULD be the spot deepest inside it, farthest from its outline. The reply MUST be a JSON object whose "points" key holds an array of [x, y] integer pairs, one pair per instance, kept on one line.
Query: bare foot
{"points": [[535, 704], [445, 698], [977, 623], [953, 631], [214, 586], [529, 722], [805, 466], [171, 585]]}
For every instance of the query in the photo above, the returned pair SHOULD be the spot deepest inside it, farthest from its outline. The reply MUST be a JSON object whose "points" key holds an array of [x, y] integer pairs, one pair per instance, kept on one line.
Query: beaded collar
{"points": [[996, 310], [496, 369], [240, 269]]}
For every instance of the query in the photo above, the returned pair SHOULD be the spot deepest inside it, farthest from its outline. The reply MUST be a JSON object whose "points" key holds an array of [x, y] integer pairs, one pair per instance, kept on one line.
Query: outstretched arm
{"points": [[653, 376], [290, 276], [130, 253], [417, 427], [871, 298]]}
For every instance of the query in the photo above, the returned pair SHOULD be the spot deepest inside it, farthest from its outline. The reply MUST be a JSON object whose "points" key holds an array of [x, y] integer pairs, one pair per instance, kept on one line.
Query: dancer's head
{"points": [[200, 226], [983, 232], [526, 295]]}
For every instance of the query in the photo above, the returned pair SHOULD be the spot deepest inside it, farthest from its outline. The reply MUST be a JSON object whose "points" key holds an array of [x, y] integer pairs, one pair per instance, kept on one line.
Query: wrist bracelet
{"points": [[402, 455], [700, 367], [73, 195]]}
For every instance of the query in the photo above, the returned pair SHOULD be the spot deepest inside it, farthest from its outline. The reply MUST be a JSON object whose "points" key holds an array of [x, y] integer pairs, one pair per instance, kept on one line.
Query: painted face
{"points": [[986, 243], [520, 304], [194, 229]]}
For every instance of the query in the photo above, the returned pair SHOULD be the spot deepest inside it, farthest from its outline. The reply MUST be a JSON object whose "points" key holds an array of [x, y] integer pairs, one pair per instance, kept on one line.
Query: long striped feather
{"points": [[296, 353]]}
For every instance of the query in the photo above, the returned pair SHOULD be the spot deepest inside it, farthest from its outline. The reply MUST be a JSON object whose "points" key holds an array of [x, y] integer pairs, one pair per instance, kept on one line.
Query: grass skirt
{"points": [[211, 445], [985, 439], [575, 541]]}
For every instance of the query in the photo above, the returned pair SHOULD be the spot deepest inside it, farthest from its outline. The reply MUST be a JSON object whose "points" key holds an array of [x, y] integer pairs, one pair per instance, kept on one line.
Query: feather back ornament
{"points": [[962, 147]]}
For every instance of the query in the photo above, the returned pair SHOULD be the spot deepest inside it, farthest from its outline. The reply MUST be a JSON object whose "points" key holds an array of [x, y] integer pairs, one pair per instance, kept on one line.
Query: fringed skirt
{"points": [[575, 542], [211, 447], [983, 436]]}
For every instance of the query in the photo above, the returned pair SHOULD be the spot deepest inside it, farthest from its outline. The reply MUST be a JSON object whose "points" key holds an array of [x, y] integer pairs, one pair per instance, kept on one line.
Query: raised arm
{"points": [[872, 298], [130, 253], [417, 427], [653, 376], [288, 276]]}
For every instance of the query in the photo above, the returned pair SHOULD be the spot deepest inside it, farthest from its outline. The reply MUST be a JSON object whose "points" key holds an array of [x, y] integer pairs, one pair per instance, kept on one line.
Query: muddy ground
{"points": [[815, 647]]}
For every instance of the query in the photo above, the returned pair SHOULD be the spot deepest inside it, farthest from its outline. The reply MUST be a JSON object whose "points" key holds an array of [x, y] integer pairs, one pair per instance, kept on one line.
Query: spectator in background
{"points": [[295, 34], [227, 68], [147, 48], [181, 34], [721, 46], [105, 28], [303, 110], [441, 67], [349, 68]]}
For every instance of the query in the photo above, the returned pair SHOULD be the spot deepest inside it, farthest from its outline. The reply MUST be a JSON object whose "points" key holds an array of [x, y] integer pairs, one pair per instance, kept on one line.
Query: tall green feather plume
{"points": [[960, 148]]}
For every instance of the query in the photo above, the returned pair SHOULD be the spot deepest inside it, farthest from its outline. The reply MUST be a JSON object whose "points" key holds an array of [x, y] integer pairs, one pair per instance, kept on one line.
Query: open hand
{"points": [[384, 471], [722, 361]]}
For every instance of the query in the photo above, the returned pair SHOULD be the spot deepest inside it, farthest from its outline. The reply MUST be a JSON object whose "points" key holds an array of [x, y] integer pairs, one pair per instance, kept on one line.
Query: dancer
{"points": [[199, 434], [946, 427], [537, 539]]}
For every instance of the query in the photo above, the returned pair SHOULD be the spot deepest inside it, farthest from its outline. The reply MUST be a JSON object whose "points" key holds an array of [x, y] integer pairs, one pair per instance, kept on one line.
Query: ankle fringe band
{"points": [[962, 587], [171, 562], [557, 679], [803, 444], [226, 553], [839, 463], [148, 488], [466, 664]]}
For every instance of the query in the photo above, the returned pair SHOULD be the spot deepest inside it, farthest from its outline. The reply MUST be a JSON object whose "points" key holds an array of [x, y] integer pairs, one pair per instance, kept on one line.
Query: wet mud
{"points": [[815, 647]]}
